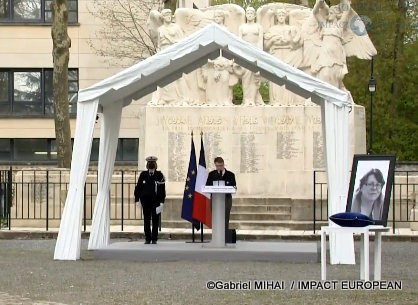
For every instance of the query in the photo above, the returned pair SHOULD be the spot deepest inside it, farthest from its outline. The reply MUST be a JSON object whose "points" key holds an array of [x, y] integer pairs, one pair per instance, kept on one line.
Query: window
{"points": [[33, 11], [26, 10], [127, 150], [4, 92], [5, 151], [45, 150], [72, 91], [94, 155], [72, 11], [30, 150], [29, 92], [4, 9]]}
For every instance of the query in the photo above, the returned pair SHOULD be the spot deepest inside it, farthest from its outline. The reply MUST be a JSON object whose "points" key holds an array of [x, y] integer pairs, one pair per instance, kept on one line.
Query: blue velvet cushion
{"points": [[350, 219]]}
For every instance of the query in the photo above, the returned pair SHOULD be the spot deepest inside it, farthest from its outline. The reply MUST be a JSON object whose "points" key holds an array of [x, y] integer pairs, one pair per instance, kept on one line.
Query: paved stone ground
{"points": [[29, 275], [7, 299]]}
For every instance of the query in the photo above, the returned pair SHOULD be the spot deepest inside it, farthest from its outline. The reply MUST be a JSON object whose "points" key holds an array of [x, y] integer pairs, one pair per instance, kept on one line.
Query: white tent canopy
{"points": [[112, 94]]}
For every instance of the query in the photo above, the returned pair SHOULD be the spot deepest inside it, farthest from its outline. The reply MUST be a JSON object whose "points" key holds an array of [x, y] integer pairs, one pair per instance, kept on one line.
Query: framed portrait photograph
{"points": [[371, 185]]}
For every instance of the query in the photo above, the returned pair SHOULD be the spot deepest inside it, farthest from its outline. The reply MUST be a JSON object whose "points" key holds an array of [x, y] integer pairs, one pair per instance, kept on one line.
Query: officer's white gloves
{"points": [[159, 209]]}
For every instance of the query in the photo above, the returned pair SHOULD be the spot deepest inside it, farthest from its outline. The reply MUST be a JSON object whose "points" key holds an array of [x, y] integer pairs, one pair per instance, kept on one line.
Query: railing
{"points": [[38, 196], [403, 198], [33, 196], [6, 194]]}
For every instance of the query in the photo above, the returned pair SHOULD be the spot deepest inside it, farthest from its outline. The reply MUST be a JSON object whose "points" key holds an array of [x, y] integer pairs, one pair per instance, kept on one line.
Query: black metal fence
{"points": [[403, 198], [30, 197], [6, 193], [36, 198]]}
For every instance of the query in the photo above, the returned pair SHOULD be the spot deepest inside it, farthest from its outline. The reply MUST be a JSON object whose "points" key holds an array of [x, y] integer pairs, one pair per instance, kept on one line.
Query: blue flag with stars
{"points": [[188, 196]]}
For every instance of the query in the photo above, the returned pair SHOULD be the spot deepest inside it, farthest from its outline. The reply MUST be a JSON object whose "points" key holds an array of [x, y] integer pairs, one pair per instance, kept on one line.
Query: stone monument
{"points": [[273, 146]]}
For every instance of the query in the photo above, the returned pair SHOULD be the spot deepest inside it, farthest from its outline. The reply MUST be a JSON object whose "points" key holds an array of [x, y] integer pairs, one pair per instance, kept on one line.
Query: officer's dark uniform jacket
{"points": [[150, 189]]}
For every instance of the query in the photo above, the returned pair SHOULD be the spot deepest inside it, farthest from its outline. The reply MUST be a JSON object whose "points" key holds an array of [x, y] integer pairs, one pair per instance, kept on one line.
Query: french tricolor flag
{"points": [[201, 203]]}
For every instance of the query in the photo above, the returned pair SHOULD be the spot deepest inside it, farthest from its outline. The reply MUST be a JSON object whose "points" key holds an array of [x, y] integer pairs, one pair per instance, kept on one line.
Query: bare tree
{"points": [[124, 34], [61, 56]]}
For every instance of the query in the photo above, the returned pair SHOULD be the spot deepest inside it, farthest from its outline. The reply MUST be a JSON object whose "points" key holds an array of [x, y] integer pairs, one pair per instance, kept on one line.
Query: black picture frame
{"points": [[364, 186]]}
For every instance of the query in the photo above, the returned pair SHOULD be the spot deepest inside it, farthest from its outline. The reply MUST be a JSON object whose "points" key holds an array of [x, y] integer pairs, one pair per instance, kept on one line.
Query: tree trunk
{"points": [[61, 56]]}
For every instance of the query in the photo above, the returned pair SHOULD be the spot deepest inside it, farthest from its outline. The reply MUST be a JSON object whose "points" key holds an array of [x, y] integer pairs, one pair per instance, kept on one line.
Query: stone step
{"points": [[261, 208], [254, 224], [263, 201], [182, 224], [116, 200], [260, 216], [275, 225]]}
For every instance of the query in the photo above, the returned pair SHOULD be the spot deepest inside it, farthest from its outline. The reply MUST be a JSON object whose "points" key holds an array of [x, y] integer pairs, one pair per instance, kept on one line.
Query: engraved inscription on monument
{"points": [[177, 143], [213, 146], [318, 150], [288, 145], [250, 155], [283, 142]]}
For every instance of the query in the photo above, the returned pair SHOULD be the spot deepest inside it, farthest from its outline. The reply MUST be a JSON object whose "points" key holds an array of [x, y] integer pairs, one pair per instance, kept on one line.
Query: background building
{"points": [[27, 133]]}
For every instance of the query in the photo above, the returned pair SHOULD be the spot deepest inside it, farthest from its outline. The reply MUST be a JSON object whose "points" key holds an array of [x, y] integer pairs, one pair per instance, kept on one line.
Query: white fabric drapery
{"points": [[109, 133], [69, 235], [335, 127], [167, 66]]}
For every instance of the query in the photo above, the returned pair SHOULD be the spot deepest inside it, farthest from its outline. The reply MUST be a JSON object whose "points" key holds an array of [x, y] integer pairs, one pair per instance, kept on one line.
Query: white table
{"points": [[364, 248]]}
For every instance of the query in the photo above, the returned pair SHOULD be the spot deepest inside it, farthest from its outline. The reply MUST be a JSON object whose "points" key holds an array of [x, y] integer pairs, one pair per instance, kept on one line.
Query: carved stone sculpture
{"points": [[283, 41], [253, 33], [335, 25], [169, 33], [219, 77], [317, 41]]}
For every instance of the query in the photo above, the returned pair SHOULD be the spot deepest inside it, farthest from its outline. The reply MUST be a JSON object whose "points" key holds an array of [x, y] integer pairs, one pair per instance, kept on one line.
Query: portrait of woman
{"points": [[370, 186], [368, 198]]}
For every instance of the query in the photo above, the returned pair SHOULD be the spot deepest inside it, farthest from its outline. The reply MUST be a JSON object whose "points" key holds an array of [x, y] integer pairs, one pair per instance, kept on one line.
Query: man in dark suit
{"points": [[150, 191], [222, 174]]}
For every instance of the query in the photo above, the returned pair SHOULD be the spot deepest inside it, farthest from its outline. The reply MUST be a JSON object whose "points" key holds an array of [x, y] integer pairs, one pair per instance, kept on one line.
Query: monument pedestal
{"points": [[273, 150]]}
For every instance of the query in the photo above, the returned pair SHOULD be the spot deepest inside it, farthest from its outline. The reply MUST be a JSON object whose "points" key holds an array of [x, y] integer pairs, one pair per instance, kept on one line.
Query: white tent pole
{"points": [[335, 118], [109, 133], [69, 234]]}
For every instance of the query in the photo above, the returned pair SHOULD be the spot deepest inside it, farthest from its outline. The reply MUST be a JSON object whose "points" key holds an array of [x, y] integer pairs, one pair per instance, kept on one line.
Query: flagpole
{"points": [[201, 224], [190, 191], [193, 228], [193, 238]]}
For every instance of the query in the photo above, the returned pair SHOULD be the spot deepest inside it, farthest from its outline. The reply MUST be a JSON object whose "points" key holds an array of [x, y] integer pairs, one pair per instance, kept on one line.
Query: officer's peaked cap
{"points": [[151, 159]]}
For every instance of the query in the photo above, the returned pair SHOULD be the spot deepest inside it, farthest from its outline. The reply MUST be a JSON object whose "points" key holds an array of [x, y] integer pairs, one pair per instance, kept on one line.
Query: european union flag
{"points": [[189, 188]]}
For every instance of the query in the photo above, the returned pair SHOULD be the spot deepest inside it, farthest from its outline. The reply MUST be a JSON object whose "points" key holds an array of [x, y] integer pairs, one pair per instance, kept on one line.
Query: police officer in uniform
{"points": [[222, 174], [150, 191]]}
